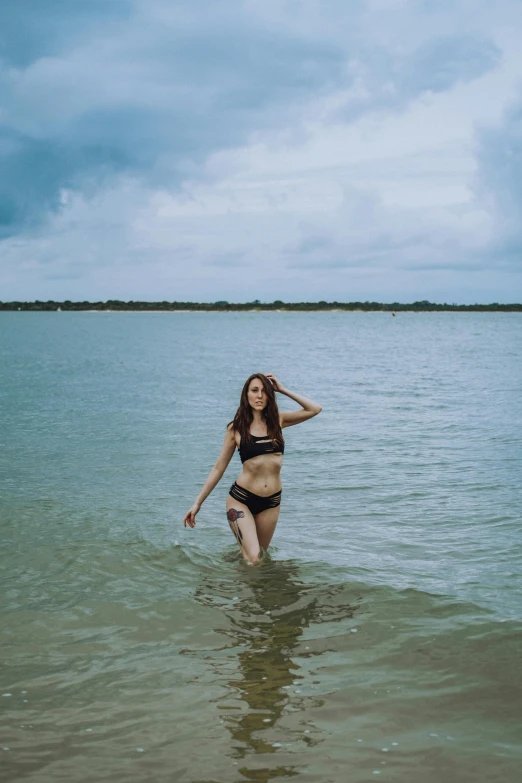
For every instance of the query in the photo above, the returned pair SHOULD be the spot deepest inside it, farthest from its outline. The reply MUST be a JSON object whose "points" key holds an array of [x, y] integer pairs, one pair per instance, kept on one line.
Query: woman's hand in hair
{"points": [[190, 516], [275, 383]]}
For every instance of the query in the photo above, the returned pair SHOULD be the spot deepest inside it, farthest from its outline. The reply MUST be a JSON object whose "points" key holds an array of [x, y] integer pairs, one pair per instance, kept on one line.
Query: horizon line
{"points": [[256, 304]]}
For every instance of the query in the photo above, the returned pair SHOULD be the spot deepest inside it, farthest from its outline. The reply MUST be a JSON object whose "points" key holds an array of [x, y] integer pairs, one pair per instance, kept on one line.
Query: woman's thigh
{"points": [[266, 523], [243, 526]]}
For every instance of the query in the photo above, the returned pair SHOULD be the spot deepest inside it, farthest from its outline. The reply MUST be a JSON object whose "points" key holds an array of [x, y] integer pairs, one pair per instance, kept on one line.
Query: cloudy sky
{"points": [[261, 149]]}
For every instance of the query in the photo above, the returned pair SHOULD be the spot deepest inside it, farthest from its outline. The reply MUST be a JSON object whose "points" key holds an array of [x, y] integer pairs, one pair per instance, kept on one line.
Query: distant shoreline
{"points": [[113, 305]]}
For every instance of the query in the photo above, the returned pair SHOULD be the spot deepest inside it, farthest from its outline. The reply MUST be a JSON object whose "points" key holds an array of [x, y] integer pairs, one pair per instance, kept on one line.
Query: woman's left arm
{"points": [[288, 418]]}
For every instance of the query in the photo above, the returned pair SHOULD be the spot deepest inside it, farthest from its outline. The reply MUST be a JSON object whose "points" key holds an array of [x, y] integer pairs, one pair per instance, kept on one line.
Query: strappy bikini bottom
{"points": [[255, 503]]}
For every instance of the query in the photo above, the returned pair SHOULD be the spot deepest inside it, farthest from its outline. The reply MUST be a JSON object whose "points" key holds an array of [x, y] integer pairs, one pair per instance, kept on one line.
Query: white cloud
{"points": [[365, 190]]}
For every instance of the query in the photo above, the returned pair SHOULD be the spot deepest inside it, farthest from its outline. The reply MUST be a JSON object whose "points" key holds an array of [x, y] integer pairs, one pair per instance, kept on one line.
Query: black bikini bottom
{"points": [[255, 503]]}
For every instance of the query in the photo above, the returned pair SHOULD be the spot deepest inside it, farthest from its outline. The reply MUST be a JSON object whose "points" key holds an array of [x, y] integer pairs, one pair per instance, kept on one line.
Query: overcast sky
{"points": [[236, 150]]}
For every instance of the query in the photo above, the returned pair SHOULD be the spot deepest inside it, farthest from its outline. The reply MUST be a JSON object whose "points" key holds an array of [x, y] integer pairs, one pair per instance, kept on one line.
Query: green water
{"points": [[382, 636]]}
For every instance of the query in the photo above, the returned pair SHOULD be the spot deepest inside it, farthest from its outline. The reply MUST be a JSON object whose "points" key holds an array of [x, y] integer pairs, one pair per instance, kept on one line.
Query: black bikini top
{"points": [[259, 445]]}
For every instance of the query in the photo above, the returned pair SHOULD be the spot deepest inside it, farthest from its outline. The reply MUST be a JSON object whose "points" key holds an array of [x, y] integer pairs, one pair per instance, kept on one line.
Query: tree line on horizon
{"points": [[223, 306]]}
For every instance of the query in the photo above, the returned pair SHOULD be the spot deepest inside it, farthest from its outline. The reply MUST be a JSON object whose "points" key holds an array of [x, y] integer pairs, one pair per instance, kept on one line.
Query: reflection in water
{"points": [[266, 624]]}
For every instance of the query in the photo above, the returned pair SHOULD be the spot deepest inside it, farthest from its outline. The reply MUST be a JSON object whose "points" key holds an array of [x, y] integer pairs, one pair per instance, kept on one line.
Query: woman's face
{"points": [[257, 398]]}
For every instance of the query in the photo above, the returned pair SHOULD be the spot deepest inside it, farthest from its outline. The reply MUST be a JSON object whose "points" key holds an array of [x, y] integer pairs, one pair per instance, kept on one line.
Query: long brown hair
{"points": [[244, 415]]}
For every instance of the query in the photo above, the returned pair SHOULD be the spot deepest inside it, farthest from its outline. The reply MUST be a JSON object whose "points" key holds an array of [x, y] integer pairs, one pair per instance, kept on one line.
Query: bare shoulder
{"points": [[231, 434]]}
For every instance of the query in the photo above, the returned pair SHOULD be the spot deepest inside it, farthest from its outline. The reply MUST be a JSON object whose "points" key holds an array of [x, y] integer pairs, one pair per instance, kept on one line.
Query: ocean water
{"points": [[381, 637]]}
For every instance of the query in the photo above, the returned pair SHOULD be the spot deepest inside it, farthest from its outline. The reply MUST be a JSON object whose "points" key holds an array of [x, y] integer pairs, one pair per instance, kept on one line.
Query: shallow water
{"points": [[380, 638]]}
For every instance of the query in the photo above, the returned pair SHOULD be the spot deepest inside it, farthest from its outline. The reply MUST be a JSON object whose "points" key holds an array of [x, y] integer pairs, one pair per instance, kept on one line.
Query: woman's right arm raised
{"points": [[215, 475]]}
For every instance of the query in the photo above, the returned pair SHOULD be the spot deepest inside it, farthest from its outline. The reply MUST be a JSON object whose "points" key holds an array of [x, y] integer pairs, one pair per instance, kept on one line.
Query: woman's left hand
{"points": [[275, 383]]}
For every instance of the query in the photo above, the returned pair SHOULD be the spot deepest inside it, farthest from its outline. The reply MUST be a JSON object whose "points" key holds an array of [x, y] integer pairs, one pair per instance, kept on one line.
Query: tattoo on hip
{"points": [[233, 515]]}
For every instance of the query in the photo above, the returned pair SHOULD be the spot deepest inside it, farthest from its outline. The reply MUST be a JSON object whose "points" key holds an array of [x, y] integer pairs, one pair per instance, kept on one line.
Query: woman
{"points": [[253, 501]]}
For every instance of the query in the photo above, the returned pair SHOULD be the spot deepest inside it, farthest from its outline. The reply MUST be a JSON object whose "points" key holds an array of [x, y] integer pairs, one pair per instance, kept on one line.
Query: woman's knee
{"points": [[253, 561], [253, 558], [251, 549]]}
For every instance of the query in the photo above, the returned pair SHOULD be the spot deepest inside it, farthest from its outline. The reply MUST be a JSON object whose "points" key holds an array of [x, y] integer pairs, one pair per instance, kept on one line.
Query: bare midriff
{"points": [[262, 475]]}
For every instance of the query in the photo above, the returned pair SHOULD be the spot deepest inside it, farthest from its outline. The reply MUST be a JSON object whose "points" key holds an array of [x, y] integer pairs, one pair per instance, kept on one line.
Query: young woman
{"points": [[254, 499]]}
